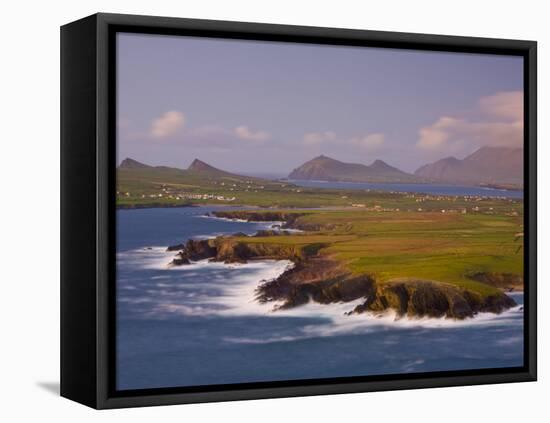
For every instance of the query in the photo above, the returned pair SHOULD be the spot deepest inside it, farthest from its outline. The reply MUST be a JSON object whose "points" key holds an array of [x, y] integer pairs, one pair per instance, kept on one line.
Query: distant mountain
{"points": [[196, 168], [324, 168], [200, 166], [133, 164], [204, 169], [488, 165]]}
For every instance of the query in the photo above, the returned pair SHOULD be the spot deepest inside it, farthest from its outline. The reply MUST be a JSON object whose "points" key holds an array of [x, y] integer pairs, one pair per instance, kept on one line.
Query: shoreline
{"points": [[154, 206], [493, 187], [487, 191], [238, 298], [245, 296], [319, 278]]}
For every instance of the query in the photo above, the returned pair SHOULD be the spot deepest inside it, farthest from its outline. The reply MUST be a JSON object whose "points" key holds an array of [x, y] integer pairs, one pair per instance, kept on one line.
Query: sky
{"points": [[260, 107]]}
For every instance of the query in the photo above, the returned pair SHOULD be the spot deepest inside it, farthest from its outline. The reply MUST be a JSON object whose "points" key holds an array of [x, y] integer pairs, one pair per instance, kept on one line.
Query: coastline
{"points": [[352, 189], [488, 186], [316, 277], [212, 307], [244, 298], [152, 206]]}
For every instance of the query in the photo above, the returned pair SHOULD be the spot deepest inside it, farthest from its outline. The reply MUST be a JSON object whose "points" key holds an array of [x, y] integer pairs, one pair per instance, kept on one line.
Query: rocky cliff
{"points": [[322, 279]]}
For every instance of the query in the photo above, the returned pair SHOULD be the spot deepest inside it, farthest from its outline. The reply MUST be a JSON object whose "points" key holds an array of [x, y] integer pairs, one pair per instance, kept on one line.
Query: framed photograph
{"points": [[255, 211]]}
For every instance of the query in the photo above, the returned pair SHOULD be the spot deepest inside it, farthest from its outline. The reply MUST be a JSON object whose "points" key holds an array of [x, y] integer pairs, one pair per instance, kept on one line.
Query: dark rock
{"points": [[315, 279], [289, 218], [418, 298], [497, 303], [199, 249], [266, 232], [192, 250], [506, 281], [180, 261], [176, 247]]}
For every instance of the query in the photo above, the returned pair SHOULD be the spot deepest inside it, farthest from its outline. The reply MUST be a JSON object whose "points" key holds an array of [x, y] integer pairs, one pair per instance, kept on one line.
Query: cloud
{"points": [[369, 142], [507, 105], [315, 138], [168, 124], [436, 135], [364, 142], [497, 121], [245, 133], [219, 138]]}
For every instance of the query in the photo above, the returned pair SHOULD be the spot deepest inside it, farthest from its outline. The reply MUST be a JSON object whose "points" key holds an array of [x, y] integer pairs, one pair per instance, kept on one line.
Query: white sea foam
{"points": [[270, 224], [239, 294], [230, 290], [338, 323], [154, 257], [226, 219], [278, 226]]}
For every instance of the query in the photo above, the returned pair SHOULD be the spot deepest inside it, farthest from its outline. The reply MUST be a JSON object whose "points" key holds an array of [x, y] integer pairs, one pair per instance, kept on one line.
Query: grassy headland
{"points": [[425, 263]]}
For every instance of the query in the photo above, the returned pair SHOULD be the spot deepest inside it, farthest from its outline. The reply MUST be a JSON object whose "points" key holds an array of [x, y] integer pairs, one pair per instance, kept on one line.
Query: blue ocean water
{"points": [[435, 189], [199, 324]]}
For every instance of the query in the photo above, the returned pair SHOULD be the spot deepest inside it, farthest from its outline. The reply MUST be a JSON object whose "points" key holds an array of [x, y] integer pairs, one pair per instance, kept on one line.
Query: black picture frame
{"points": [[88, 99]]}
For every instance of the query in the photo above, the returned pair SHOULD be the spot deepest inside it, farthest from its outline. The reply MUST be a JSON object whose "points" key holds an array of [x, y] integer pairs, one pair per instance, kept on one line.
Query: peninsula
{"points": [[430, 264]]}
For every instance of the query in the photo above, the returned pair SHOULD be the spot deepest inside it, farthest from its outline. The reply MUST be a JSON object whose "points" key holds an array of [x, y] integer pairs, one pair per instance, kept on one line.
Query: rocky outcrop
{"points": [[269, 232], [290, 218], [505, 281], [177, 247], [193, 250], [234, 250], [318, 279], [324, 282], [180, 260], [322, 279], [419, 298], [230, 251]]}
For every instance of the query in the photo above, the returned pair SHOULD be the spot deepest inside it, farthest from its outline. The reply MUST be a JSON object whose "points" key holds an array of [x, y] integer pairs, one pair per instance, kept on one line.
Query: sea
{"points": [[433, 189], [200, 324]]}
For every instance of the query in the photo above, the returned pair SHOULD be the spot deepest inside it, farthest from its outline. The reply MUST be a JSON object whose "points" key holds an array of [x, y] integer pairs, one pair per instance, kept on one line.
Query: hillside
{"points": [[324, 168], [488, 165], [142, 185], [200, 168], [133, 164]]}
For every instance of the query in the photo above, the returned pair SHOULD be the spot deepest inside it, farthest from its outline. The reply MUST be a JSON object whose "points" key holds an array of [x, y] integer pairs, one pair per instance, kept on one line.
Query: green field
{"points": [[445, 247], [173, 187]]}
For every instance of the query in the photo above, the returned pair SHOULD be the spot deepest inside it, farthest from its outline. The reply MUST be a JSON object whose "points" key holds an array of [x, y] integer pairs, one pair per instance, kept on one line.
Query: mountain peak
{"points": [[380, 164], [129, 163], [325, 168], [200, 166], [488, 164], [487, 152], [322, 157]]}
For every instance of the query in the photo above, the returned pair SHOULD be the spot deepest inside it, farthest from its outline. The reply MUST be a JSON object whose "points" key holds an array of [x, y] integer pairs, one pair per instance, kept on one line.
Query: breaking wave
{"points": [[209, 289]]}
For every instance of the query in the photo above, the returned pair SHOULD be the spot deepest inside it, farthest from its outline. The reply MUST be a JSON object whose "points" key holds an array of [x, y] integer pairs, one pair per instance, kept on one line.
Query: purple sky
{"points": [[265, 107]]}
